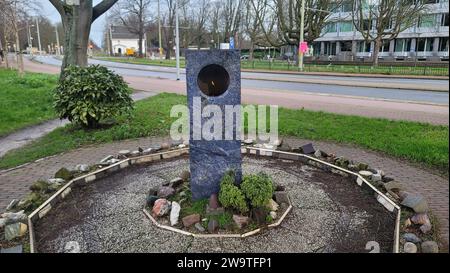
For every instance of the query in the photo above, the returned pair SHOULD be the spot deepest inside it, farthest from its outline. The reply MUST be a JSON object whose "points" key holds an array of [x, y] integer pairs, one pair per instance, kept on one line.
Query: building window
{"points": [[444, 20], [347, 6], [425, 44], [363, 46], [346, 46], [443, 44], [427, 21], [367, 25], [385, 46], [331, 27], [330, 48], [346, 26], [402, 45]]}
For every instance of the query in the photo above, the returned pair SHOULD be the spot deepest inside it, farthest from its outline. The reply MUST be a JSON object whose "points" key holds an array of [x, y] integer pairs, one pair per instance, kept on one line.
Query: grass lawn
{"points": [[285, 66], [143, 61], [422, 143], [26, 101]]}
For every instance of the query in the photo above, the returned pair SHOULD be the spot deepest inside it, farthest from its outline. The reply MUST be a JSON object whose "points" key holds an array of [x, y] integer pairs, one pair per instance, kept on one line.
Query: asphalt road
{"points": [[396, 104], [285, 82]]}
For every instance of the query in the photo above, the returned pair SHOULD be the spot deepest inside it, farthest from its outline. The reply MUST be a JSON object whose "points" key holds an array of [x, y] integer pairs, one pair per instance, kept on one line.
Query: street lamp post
{"points": [[58, 52], [302, 28], [39, 35], [159, 32], [177, 39]]}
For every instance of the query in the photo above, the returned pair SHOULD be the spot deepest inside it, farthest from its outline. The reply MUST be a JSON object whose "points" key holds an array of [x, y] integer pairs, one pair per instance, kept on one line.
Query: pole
{"points": [[111, 52], [58, 52], [302, 28], [177, 40], [39, 35], [159, 32], [28, 36]]}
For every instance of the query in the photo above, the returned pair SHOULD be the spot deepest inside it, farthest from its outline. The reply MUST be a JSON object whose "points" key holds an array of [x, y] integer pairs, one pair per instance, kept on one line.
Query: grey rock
{"points": [[362, 166], [393, 186], [308, 149], [72, 247], [420, 219], [273, 214], [366, 174], [148, 151], [124, 153], [107, 158], [376, 177], [199, 227], [426, 228], [272, 206], [12, 250], [2, 223], [82, 168], [135, 153], [281, 197], [13, 231], [430, 247], [241, 221], [213, 226], [57, 181], [165, 192], [416, 202], [320, 154], [12, 204], [14, 217], [186, 175], [342, 162], [284, 147], [176, 182], [411, 237], [410, 248]]}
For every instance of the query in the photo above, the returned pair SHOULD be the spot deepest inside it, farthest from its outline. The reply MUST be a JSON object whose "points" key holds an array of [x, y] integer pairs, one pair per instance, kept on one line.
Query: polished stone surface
{"points": [[210, 159]]}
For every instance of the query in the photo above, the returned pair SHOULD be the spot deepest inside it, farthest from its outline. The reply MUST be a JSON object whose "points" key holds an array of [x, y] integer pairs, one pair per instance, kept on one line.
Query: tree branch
{"points": [[101, 8], [59, 6]]}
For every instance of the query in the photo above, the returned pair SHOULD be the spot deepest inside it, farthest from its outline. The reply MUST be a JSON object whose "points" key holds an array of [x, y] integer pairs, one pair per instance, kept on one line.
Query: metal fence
{"points": [[437, 69]]}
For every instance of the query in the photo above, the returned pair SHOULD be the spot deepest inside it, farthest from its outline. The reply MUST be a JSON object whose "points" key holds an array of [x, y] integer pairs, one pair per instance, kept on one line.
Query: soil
{"points": [[330, 214]]}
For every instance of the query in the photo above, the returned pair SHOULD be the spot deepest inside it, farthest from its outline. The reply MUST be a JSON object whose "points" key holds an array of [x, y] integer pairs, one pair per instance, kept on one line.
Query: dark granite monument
{"points": [[213, 81]]}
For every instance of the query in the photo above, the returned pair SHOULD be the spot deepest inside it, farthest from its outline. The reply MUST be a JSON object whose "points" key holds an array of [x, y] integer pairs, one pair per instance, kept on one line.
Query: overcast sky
{"points": [[97, 28]]}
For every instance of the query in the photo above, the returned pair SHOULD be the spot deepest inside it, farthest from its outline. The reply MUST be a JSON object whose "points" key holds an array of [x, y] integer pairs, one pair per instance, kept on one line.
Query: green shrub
{"points": [[88, 95], [258, 189], [230, 196]]}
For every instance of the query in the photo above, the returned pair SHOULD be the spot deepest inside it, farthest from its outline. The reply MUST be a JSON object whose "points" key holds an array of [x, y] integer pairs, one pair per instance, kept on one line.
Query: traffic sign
{"points": [[304, 47], [231, 43]]}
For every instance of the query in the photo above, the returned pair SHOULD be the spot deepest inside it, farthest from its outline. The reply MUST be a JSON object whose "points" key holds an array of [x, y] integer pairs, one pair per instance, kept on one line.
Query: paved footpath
{"points": [[14, 184]]}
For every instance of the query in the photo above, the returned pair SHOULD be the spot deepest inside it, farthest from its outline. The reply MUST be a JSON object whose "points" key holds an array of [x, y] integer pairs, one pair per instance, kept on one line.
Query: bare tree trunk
{"points": [[77, 20], [252, 50], [5, 49], [376, 51], [19, 56], [77, 26]]}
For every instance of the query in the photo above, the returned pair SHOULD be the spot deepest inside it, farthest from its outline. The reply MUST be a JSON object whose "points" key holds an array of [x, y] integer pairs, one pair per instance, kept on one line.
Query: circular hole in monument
{"points": [[213, 80]]}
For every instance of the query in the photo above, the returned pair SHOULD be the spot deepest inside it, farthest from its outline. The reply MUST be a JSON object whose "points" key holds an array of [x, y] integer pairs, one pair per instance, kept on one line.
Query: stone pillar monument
{"points": [[213, 83]]}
